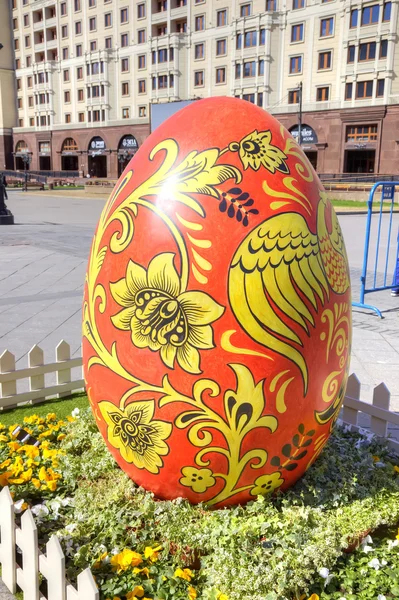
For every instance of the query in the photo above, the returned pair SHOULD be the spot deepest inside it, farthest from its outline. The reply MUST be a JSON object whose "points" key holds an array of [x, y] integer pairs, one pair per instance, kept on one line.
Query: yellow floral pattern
{"points": [[139, 439], [265, 484], [162, 318], [256, 150], [199, 480]]}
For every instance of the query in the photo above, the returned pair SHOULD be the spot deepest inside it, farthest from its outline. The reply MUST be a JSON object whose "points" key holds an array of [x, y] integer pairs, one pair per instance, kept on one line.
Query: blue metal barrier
{"points": [[387, 199]]}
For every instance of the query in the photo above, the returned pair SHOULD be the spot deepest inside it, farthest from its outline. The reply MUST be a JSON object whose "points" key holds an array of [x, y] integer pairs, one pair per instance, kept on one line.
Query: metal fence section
{"points": [[386, 242]]}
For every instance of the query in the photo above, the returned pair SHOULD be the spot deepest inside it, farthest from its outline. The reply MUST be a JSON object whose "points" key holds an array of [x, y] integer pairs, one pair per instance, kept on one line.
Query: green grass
{"points": [[61, 406], [357, 204]]}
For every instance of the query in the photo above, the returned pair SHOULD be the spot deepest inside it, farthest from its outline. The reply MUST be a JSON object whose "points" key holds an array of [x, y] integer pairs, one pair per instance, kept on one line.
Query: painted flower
{"points": [[199, 480], [139, 439], [256, 151], [162, 318], [266, 484]]}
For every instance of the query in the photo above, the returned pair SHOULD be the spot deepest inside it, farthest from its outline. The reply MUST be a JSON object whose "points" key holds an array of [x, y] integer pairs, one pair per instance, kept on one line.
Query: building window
{"points": [[125, 88], [80, 95], [15, 23], [326, 27], [67, 117], [108, 20], [351, 54], [19, 102], [261, 67], [298, 4], [31, 121], [77, 5], [238, 71], [323, 94], [249, 69], [142, 86], [162, 82], [295, 64], [19, 84], [124, 65], [162, 30], [199, 51], [383, 48], [93, 46], [93, 23], [199, 23], [245, 10], [108, 43], [67, 96], [79, 72], [30, 101], [141, 11], [386, 16], [141, 61], [64, 31], [380, 87], [353, 18], [260, 99], [26, 20], [78, 27], [65, 52], [28, 61], [20, 122], [367, 51], [361, 133], [221, 18], [63, 9], [370, 14], [324, 60], [124, 15], [142, 111], [92, 3], [171, 80], [221, 75], [66, 74], [364, 89], [29, 82], [271, 5], [297, 33], [18, 63], [27, 41], [198, 78], [81, 117], [249, 98], [141, 36], [163, 55], [78, 50], [154, 83], [293, 97], [221, 47], [125, 113], [124, 40]]}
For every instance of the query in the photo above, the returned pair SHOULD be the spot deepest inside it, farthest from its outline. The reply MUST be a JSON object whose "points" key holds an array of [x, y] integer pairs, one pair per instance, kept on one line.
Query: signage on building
{"points": [[308, 134], [97, 146], [388, 192], [129, 142]]}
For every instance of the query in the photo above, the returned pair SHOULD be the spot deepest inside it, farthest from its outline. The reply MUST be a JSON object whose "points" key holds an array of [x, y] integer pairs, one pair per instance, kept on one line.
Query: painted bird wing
{"points": [[334, 257], [278, 265]]}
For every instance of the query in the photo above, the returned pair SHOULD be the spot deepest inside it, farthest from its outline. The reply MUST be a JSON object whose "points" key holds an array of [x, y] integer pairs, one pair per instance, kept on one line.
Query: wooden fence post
{"points": [[26, 538], [63, 352], [87, 589], [36, 382], [381, 398], [7, 364], [52, 566], [349, 415], [7, 544]]}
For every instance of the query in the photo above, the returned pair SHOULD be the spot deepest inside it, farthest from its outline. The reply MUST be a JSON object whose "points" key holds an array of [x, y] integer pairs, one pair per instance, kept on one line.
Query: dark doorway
{"points": [[312, 158], [69, 163], [44, 163], [122, 164], [19, 164], [359, 161], [98, 166]]}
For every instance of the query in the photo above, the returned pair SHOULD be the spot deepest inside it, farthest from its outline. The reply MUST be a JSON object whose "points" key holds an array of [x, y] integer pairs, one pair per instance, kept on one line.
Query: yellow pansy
{"points": [[36, 482], [45, 434], [30, 451], [125, 559], [199, 480], [51, 417], [144, 570], [314, 597], [99, 560], [396, 469], [139, 439], [13, 446], [192, 593], [47, 453], [186, 574], [266, 484], [5, 463], [71, 419], [61, 437], [162, 317], [221, 596], [4, 478], [3, 438], [152, 553], [138, 592], [52, 485], [42, 474], [397, 537], [24, 477]]}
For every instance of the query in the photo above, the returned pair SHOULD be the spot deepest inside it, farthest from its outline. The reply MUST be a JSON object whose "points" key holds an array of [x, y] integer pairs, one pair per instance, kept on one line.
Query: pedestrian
{"points": [[395, 282]]}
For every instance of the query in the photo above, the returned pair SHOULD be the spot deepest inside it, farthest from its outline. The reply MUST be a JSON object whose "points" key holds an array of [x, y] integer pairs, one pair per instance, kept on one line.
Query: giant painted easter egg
{"points": [[217, 309]]}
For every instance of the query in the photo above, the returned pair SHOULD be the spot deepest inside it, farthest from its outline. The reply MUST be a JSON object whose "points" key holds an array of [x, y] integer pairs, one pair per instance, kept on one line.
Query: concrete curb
{"points": [[4, 593]]}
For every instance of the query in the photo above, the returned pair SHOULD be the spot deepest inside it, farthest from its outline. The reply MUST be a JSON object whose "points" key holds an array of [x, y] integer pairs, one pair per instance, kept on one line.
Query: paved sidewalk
{"points": [[42, 267]]}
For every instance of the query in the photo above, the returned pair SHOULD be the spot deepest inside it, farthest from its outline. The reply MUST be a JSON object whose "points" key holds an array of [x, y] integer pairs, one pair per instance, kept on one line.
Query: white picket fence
{"points": [[35, 373], [52, 564]]}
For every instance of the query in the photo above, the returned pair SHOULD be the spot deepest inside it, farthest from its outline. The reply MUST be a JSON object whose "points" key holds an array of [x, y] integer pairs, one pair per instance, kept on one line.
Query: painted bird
{"points": [[281, 263]]}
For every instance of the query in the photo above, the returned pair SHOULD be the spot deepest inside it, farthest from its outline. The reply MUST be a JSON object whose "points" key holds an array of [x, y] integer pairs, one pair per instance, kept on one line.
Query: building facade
{"points": [[88, 71]]}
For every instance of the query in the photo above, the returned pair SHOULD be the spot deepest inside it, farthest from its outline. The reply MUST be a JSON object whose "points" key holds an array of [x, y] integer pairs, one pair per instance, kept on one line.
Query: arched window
{"points": [[69, 145], [21, 147]]}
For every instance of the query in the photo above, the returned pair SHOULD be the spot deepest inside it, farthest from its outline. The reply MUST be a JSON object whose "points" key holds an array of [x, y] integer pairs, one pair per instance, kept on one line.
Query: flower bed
{"points": [[277, 547]]}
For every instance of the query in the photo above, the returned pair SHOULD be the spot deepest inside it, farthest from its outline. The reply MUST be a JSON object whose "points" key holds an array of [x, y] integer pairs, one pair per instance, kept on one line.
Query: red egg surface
{"points": [[216, 314]]}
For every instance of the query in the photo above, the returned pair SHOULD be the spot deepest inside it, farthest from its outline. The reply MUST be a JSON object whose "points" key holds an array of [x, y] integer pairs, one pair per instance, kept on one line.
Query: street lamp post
{"points": [[300, 114]]}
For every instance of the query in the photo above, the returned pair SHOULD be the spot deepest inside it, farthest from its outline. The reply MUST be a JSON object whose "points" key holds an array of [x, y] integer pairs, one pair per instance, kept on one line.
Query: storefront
{"points": [[309, 140], [45, 156], [127, 148], [21, 151], [69, 155], [97, 162]]}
